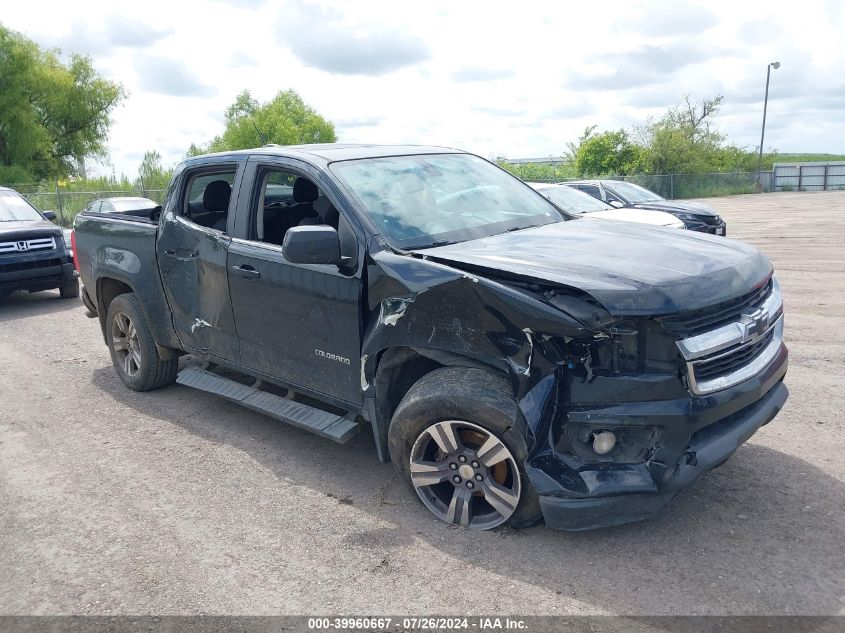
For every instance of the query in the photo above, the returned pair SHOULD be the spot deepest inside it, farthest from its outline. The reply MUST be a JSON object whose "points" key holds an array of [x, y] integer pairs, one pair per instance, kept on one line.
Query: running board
{"points": [[302, 416]]}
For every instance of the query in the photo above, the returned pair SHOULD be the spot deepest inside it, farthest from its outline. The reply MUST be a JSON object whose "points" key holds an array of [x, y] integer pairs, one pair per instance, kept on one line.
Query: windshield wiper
{"points": [[434, 245], [519, 228]]}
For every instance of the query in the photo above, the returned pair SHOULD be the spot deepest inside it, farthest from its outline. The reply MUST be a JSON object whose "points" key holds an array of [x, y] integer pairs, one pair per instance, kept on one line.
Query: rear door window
{"points": [[208, 198]]}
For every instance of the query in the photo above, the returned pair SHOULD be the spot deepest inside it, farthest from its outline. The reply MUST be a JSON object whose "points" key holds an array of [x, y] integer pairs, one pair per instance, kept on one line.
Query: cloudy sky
{"points": [[516, 79]]}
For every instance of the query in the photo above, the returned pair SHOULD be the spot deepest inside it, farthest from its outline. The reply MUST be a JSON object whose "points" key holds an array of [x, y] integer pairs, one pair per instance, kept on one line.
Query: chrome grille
{"points": [[731, 359], [736, 351], [27, 246], [698, 321]]}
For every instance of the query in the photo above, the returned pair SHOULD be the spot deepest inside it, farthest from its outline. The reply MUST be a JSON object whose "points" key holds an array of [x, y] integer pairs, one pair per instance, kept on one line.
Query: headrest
{"points": [[216, 195], [304, 190]]}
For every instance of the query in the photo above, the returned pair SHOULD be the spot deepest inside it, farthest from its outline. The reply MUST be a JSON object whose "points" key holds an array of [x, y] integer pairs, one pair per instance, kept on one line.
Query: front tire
{"points": [[133, 350], [456, 439]]}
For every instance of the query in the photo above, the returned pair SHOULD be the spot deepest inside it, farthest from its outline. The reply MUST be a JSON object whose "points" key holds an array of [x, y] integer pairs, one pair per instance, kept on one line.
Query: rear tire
{"points": [[69, 289], [133, 350], [459, 423]]}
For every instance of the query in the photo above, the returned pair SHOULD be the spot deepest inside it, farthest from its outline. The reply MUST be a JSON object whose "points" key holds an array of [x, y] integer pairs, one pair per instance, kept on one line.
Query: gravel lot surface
{"points": [[177, 502]]}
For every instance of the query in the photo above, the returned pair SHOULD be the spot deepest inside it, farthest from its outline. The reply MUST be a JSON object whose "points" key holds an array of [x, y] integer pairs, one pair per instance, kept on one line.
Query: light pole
{"points": [[774, 65]]}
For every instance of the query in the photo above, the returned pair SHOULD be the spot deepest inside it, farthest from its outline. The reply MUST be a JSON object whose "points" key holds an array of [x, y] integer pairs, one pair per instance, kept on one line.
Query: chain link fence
{"points": [[672, 186], [67, 204]]}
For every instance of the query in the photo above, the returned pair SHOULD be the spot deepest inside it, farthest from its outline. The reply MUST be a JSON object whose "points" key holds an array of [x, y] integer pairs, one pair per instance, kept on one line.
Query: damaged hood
{"points": [[630, 269]]}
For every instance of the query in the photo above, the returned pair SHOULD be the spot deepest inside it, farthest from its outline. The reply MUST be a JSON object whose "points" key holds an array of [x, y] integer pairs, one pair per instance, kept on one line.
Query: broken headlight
{"points": [[616, 352], [638, 346], [613, 347], [618, 346]]}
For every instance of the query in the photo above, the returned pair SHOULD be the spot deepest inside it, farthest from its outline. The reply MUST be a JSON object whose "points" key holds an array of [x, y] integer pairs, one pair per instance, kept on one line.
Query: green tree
{"points": [[539, 172], [151, 174], [572, 148], [52, 115], [606, 153], [196, 150], [686, 140], [285, 120]]}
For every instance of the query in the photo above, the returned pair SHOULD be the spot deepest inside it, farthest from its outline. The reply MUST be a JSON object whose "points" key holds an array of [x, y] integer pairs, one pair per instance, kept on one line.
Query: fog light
{"points": [[604, 442]]}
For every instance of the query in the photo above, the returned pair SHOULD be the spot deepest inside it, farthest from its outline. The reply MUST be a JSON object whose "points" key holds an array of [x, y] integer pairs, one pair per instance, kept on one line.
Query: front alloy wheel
{"points": [[125, 343], [465, 475]]}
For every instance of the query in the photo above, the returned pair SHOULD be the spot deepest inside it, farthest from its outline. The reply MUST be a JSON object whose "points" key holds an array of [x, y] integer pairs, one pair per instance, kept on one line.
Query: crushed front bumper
{"points": [[696, 434]]}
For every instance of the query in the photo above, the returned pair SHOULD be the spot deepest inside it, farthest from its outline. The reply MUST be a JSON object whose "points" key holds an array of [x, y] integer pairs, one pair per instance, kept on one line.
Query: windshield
{"points": [[572, 200], [632, 193], [13, 208], [433, 199]]}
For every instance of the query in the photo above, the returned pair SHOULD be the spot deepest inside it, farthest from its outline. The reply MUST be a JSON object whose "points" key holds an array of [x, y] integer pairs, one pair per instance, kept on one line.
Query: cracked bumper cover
{"points": [[703, 432]]}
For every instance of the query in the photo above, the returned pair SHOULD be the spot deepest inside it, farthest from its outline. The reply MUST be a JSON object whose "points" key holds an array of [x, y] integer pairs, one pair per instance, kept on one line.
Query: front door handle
{"points": [[246, 271]]}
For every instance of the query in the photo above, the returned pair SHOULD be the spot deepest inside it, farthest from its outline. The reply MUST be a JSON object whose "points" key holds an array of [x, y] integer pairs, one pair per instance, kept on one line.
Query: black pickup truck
{"points": [[512, 361], [34, 254]]}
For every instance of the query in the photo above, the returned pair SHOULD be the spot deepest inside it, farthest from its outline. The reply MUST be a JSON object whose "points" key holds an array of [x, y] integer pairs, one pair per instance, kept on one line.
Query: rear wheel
{"points": [[133, 351], [455, 439]]}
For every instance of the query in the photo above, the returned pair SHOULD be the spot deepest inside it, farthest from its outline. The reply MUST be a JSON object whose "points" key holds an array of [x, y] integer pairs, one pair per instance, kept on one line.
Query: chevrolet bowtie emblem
{"points": [[754, 324]]}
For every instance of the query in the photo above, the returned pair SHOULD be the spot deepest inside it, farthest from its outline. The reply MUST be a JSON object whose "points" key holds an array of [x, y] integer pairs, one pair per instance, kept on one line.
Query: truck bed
{"points": [[114, 250]]}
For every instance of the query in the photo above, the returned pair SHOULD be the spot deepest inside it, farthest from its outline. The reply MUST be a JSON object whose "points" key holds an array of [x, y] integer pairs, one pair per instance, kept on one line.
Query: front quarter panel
{"points": [[418, 303]]}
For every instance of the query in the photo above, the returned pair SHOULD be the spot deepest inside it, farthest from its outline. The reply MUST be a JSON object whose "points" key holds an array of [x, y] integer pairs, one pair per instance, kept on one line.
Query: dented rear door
{"points": [[192, 260]]}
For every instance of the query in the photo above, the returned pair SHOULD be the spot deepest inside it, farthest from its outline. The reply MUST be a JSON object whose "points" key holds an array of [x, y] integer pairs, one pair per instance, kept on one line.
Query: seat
{"points": [[326, 213], [215, 200], [305, 193], [277, 221]]}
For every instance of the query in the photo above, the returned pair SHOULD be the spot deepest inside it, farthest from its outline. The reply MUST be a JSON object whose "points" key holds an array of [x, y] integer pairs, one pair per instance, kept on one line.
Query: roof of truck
{"points": [[330, 152]]}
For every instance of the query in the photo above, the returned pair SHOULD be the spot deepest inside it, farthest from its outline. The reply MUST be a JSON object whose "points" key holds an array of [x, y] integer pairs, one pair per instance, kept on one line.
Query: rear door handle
{"points": [[246, 271]]}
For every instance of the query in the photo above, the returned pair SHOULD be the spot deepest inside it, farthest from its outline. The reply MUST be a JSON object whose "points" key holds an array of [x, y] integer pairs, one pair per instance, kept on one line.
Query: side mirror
{"points": [[616, 203], [50, 215], [313, 244], [155, 213]]}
